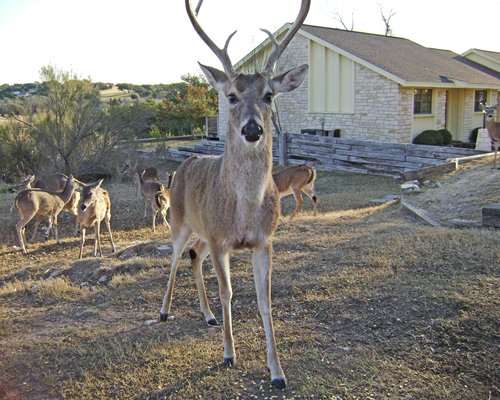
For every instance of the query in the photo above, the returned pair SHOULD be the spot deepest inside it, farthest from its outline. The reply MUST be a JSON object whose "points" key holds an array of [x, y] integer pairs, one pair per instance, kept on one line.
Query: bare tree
{"points": [[387, 19], [339, 18]]}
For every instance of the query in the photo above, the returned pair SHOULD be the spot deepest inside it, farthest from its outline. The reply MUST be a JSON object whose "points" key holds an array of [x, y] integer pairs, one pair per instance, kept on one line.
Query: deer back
{"points": [[294, 176]]}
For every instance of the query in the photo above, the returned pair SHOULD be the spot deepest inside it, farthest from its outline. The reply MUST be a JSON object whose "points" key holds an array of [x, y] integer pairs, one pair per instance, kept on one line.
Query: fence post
{"points": [[282, 149]]}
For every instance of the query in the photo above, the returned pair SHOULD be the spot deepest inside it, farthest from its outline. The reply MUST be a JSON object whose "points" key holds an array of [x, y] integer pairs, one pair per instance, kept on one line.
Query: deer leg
{"points": [[261, 262], [97, 242], [309, 191], [179, 240], [108, 227], [495, 147], [164, 217], [49, 227], [82, 241], [56, 228], [198, 252], [154, 220], [220, 261], [39, 219], [298, 202], [20, 228], [145, 208]]}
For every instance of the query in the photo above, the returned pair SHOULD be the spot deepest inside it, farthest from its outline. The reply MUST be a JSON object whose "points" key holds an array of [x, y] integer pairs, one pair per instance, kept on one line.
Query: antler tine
{"points": [[220, 53], [279, 48]]}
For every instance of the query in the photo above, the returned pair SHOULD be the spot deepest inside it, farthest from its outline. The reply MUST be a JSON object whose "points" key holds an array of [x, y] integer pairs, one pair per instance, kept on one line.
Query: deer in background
{"points": [[230, 201], [148, 174], [94, 206], [296, 179], [157, 196], [35, 202], [54, 183], [493, 128]]}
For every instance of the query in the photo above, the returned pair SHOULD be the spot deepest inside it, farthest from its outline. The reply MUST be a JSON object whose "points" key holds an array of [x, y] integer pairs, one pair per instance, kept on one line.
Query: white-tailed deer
{"points": [[296, 179], [54, 183], [147, 174], [157, 196], [230, 201], [94, 207], [493, 128], [35, 202]]}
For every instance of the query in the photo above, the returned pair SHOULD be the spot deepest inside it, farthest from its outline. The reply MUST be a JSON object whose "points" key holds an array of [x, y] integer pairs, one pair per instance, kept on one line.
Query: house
{"points": [[379, 88]]}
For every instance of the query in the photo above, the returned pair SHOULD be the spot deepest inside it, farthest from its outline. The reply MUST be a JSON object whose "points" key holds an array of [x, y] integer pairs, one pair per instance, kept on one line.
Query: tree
{"points": [[70, 124], [387, 19], [187, 109]]}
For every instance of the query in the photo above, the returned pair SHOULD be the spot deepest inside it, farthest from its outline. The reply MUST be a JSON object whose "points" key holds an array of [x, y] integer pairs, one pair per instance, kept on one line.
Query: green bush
{"points": [[473, 135], [429, 137], [447, 136], [432, 137]]}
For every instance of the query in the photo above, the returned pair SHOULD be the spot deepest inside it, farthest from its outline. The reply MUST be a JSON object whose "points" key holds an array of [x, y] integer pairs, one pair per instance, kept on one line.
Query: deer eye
{"points": [[232, 98], [268, 98]]}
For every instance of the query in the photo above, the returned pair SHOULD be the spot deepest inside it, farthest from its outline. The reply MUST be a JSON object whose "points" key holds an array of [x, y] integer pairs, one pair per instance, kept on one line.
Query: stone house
{"points": [[374, 87]]}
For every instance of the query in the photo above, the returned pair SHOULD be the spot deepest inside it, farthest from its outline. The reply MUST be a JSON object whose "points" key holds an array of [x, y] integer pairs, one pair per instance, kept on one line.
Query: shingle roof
{"points": [[404, 59]]}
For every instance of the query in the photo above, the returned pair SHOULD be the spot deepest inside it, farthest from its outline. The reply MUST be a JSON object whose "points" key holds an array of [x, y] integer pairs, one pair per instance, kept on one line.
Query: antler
{"points": [[278, 48], [220, 53]]}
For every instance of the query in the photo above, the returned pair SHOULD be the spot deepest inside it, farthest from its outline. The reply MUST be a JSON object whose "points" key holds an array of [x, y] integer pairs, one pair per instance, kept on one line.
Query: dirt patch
{"points": [[460, 195], [368, 303]]}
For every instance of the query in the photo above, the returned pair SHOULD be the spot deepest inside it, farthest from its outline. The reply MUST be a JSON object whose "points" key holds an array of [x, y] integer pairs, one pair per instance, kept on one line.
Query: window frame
{"points": [[422, 102]]}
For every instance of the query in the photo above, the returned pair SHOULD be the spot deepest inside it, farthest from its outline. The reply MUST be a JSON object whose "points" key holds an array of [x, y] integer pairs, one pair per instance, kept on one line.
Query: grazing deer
{"points": [[157, 196], [296, 179], [493, 128], [230, 201], [94, 207], [34, 202]]}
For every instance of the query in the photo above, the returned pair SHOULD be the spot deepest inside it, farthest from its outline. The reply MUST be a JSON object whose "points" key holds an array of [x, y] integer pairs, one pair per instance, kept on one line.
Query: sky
{"points": [[152, 41]]}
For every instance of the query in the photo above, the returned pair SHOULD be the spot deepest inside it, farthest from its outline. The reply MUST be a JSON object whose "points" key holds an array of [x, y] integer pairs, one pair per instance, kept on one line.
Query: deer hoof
{"points": [[212, 322], [279, 383], [229, 361], [163, 317]]}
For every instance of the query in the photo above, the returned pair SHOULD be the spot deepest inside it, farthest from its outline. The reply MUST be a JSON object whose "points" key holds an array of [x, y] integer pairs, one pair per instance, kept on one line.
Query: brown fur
{"points": [[294, 180], [493, 128]]}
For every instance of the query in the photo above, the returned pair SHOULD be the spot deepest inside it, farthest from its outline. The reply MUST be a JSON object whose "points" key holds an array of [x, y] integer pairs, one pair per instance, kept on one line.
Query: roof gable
{"points": [[398, 59]]}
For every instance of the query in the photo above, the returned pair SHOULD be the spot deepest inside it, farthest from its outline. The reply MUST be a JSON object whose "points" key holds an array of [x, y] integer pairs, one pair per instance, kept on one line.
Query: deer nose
{"points": [[252, 131], [83, 206]]}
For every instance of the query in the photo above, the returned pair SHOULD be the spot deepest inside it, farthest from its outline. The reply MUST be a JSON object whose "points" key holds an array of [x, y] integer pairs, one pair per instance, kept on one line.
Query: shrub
{"points": [[429, 137], [447, 136], [473, 135]]}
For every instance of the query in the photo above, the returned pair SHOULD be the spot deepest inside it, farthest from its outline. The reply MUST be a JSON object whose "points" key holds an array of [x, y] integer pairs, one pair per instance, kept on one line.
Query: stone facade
{"points": [[383, 110]]}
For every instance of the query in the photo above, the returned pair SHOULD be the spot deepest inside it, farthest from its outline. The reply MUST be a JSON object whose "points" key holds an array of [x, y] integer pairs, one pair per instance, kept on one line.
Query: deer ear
{"points": [[217, 79], [289, 80]]}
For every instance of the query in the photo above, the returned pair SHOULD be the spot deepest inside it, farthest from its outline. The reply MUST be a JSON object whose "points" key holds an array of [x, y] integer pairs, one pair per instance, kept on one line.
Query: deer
{"points": [[230, 201], [54, 183], [493, 128], [157, 196], [34, 202], [296, 179], [94, 206], [149, 174]]}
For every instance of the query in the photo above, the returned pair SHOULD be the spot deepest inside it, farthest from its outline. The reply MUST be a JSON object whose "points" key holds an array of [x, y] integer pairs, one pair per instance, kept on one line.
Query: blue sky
{"points": [[152, 41]]}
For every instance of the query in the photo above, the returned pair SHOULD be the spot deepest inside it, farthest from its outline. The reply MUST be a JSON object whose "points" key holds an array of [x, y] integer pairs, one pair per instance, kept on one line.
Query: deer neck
{"points": [[248, 170], [68, 191]]}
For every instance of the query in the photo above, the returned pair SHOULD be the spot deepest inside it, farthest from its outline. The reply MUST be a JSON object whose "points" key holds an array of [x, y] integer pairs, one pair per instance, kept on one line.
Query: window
{"points": [[422, 101], [480, 97]]}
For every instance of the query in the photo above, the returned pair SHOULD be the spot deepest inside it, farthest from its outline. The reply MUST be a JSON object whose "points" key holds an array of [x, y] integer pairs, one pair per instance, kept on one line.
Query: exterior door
{"points": [[455, 112]]}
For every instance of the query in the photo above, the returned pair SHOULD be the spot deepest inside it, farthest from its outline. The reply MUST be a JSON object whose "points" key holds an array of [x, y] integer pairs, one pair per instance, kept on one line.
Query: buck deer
{"points": [[155, 194], [32, 202], [296, 179], [493, 128], [230, 201], [94, 207]]}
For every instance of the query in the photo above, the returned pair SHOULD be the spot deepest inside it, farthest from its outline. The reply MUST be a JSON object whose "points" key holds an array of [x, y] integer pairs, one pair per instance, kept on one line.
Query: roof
{"points": [[399, 59], [404, 59]]}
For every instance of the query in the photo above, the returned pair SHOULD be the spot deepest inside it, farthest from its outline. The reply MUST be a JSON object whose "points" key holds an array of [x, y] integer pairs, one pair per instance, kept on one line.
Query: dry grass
{"points": [[368, 304]]}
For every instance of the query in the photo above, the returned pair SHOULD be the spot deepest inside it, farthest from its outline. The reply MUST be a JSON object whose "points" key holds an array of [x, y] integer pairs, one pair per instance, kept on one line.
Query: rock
{"points": [[411, 186], [55, 274], [103, 279]]}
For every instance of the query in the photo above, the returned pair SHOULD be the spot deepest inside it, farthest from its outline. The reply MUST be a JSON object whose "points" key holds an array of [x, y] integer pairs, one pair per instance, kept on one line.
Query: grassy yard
{"points": [[368, 303]]}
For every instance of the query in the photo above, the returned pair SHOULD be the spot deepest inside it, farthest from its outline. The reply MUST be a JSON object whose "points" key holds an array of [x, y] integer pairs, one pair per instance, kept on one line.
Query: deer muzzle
{"points": [[252, 131]]}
